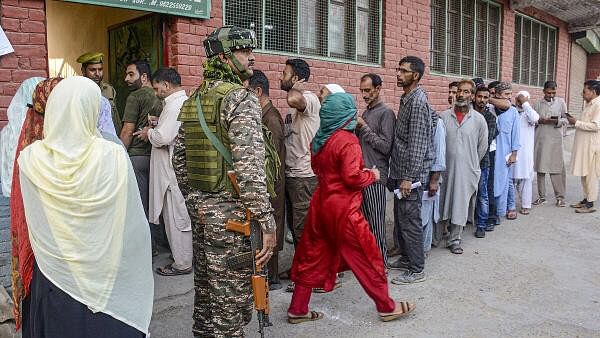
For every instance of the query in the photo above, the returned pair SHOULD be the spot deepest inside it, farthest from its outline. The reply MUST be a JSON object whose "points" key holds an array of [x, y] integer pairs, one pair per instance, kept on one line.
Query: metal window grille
{"points": [[535, 51], [465, 37], [348, 30]]}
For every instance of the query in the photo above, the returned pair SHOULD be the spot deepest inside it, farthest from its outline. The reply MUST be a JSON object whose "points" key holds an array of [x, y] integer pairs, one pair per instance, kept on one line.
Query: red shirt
{"points": [[459, 115]]}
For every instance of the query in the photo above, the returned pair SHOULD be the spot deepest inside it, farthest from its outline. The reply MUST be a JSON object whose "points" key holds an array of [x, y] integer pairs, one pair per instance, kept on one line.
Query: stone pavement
{"points": [[537, 276]]}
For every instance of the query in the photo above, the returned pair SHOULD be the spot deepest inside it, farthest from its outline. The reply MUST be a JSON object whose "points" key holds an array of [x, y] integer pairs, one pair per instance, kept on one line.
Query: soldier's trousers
{"points": [[223, 297]]}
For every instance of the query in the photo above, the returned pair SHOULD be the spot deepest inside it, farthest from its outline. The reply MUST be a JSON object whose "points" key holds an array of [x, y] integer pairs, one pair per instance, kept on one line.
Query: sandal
{"points": [[456, 249], [525, 211], [169, 270], [404, 307], [310, 316], [337, 285], [511, 214], [290, 287]]}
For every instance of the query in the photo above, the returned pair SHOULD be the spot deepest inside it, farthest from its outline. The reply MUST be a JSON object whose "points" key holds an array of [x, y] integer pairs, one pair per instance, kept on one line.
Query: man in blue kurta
{"points": [[507, 144]]}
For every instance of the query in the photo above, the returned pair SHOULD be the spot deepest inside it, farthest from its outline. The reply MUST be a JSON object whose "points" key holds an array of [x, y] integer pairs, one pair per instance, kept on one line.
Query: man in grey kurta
{"points": [[548, 148], [466, 145]]}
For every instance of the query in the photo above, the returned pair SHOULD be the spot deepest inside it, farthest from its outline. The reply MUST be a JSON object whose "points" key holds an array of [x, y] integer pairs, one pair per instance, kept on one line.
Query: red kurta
{"points": [[336, 235]]}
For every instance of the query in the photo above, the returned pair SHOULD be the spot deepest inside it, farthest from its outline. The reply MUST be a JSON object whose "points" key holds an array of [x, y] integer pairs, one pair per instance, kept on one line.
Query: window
{"points": [[535, 51], [338, 29], [465, 38]]}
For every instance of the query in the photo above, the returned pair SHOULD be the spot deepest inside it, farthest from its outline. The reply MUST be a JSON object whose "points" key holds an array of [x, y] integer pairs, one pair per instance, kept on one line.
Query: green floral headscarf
{"points": [[338, 111]]}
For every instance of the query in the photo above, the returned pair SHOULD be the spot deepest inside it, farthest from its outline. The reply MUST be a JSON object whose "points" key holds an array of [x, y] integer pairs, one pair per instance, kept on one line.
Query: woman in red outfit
{"points": [[336, 235]]}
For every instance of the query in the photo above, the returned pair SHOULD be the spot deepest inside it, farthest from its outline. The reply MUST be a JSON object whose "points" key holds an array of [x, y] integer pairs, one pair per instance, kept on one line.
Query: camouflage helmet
{"points": [[229, 38]]}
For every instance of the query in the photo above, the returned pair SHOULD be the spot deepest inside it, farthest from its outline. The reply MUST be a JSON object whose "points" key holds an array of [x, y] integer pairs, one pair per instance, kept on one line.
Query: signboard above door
{"points": [[192, 8]]}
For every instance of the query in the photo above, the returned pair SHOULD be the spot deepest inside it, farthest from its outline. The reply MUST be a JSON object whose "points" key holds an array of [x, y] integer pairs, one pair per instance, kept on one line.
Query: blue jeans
{"points": [[482, 207], [506, 201]]}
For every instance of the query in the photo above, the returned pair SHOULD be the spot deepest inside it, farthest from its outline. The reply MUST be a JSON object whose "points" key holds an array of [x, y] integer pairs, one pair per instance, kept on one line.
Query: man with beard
{"points": [[92, 68], [222, 121], [548, 147], [141, 103], [410, 163], [482, 210], [300, 180], [466, 144], [375, 131]]}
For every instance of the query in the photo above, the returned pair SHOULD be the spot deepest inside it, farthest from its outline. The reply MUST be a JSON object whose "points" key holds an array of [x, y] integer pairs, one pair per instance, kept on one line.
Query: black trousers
{"points": [[407, 220], [48, 312], [492, 201]]}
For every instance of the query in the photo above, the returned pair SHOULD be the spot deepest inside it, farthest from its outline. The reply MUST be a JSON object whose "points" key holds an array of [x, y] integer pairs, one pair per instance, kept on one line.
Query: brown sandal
{"points": [[511, 214], [404, 308], [524, 211], [169, 270], [310, 316]]}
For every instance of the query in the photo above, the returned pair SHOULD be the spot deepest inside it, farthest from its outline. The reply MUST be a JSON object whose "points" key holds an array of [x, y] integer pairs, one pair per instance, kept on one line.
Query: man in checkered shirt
{"points": [[411, 159]]}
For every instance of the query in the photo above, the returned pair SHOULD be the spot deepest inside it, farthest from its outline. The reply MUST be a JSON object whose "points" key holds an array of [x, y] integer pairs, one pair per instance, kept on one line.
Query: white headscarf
{"points": [[9, 136], [334, 88], [85, 217], [524, 93]]}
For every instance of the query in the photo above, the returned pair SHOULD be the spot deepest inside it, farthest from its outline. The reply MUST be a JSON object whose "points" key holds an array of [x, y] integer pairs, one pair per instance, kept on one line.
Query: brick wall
{"points": [[593, 67], [24, 24], [405, 32]]}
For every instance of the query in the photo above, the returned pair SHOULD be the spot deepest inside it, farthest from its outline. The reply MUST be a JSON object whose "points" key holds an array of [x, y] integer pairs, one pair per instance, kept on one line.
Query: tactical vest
{"points": [[206, 167]]}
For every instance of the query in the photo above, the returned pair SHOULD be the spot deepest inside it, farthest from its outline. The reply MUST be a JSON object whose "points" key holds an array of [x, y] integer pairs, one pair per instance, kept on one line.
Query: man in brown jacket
{"points": [[271, 118]]}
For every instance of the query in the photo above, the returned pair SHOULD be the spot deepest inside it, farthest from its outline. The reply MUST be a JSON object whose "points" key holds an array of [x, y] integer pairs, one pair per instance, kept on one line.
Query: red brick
{"points": [[30, 26], [10, 25], [17, 38], [14, 12], [37, 14], [32, 50], [32, 3], [22, 75], [8, 61], [40, 63], [37, 38], [5, 101], [5, 75]]}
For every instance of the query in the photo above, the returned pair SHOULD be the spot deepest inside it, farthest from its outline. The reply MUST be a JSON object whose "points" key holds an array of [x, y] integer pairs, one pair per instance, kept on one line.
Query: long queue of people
{"points": [[87, 182]]}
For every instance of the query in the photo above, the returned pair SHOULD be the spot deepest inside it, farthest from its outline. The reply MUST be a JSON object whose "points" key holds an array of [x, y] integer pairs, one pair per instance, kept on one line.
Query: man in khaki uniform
{"points": [[92, 68]]}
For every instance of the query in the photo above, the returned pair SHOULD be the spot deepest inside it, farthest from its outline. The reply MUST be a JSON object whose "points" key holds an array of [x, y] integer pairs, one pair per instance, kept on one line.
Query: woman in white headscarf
{"points": [[10, 133], [88, 232]]}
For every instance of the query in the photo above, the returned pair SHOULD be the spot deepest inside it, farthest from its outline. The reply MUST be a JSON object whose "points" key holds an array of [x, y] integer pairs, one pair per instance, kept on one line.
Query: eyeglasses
{"points": [[403, 71]]}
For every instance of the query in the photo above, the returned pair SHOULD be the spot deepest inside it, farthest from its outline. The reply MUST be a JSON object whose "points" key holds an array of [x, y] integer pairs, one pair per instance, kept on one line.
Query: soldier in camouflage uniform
{"points": [[223, 297], [91, 67]]}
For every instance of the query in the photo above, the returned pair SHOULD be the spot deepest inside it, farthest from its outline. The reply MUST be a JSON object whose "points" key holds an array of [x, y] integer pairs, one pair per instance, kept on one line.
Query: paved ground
{"points": [[538, 276]]}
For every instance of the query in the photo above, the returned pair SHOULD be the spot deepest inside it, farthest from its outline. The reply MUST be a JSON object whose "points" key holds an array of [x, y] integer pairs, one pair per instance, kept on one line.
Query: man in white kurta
{"points": [[466, 144], [165, 196], [548, 150], [585, 156], [523, 171]]}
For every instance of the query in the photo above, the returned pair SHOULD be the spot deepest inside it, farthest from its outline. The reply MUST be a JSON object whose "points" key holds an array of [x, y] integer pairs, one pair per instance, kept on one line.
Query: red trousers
{"points": [[374, 283]]}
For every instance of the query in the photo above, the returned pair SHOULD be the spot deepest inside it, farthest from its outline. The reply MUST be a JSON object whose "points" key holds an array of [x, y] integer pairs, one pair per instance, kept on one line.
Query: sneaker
{"points": [[579, 204], [561, 203], [539, 201], [480, 233], [398, 264], [588, 208], [409, 277], [490, 228]]}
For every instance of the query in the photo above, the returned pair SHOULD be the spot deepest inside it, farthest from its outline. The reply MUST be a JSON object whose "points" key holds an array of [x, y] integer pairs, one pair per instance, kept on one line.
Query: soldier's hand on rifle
{"points": [[267, 249]]}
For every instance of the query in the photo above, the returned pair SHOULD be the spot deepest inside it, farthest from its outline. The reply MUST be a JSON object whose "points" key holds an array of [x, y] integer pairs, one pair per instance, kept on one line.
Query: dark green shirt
{"points": [[139, 104]]}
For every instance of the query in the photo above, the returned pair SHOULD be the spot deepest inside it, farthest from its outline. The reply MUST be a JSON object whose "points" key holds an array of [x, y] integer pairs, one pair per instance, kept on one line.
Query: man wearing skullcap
{"points": [[523, 171], [92, 68]]}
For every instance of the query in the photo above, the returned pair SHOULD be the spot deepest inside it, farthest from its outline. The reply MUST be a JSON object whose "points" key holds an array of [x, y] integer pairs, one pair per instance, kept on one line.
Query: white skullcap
{"points": [[335, 88], [524, 93]]}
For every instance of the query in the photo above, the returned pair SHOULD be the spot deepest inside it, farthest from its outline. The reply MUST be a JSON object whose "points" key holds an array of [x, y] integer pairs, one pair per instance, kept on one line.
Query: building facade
{"points": [[515, 41]]}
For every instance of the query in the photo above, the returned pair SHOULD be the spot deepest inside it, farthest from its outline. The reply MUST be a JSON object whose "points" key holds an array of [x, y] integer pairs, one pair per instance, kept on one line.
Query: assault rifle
{"points": [[260, 285]]}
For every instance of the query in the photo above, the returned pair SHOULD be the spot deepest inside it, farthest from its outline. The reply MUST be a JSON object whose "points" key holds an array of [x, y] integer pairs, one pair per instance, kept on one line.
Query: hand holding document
{"points": [[413, 186]]}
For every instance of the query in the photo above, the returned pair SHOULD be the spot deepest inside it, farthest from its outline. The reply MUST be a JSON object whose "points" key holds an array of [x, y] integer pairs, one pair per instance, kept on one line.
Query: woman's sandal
{"points": [[309, 317], [511, 214], [404, 307], [525, 211], [169, 270]]}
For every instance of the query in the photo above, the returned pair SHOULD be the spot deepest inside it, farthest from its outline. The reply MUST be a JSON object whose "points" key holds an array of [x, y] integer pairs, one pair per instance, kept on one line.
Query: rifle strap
{"points": [[211, 136]]}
